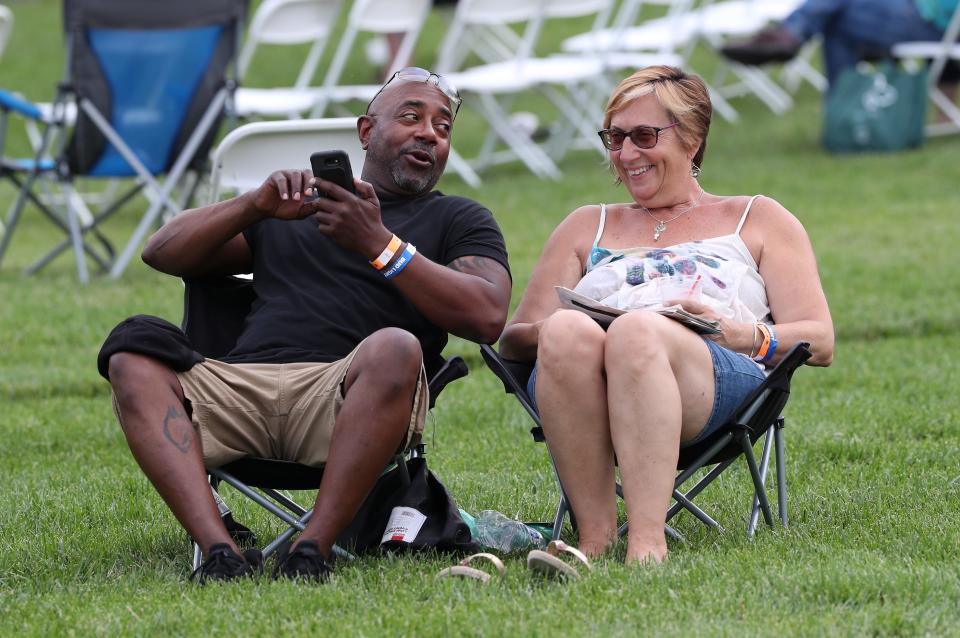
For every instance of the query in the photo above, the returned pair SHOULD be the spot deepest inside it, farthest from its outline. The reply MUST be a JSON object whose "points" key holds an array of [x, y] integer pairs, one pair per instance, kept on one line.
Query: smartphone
{"points": [[333, 166]]}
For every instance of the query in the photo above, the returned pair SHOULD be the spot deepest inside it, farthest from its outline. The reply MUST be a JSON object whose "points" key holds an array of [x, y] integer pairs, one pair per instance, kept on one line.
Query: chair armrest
{"points": [[514, 375], [13, 102], [453, 368], [214, 311], [765, 403]]}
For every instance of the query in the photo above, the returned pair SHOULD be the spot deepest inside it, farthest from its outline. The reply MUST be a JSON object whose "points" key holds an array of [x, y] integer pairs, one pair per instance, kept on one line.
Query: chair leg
{"points": [[458, 165], [76, 239], [764, 468], [197, 559], [528, 152], [13, 215], [693, 509], [781, 471], [761, 493], [563, 508], [295, 524], [92, 228]]}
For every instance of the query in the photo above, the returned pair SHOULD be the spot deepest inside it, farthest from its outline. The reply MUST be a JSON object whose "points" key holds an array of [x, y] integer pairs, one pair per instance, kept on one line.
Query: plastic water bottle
{"points": [[499, 532]]}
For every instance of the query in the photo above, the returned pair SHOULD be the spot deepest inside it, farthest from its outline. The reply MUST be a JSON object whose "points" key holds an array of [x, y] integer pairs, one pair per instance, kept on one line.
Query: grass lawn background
{"points": [[87, 547]]}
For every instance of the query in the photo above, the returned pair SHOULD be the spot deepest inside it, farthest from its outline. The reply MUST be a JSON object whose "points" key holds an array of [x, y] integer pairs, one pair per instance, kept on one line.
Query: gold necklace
{"points": [[662, 223]]}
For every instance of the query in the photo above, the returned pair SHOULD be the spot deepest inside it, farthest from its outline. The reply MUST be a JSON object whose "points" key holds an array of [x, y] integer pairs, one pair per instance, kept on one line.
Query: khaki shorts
{"points": [[275, 410]]}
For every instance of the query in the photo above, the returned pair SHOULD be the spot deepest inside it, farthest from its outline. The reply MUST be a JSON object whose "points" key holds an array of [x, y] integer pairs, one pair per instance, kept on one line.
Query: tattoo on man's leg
{"points": [[176, 427]]}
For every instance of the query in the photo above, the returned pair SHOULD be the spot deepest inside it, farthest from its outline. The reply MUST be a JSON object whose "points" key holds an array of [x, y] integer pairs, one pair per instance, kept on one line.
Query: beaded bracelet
{"points": [[405, 258], [772, 345], [380, 262]]}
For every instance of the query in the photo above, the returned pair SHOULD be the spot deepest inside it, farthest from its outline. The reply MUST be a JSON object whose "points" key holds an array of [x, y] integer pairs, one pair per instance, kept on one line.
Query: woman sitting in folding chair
{"points": [[633, 393]]}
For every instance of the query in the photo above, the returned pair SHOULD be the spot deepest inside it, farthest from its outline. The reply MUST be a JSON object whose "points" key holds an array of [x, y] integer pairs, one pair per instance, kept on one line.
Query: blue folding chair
{"points": [[149, 81]]}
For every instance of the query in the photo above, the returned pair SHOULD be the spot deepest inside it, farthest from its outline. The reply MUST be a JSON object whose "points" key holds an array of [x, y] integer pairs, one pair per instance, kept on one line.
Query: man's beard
{"points": [[413, 183], [407, 180]]}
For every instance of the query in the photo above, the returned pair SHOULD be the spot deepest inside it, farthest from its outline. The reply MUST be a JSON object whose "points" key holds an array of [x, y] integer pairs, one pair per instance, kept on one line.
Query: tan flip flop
{"points": [[549, 563], [463, 569]]}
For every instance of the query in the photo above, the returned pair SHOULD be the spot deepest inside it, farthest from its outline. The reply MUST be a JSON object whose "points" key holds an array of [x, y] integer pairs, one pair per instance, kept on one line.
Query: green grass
{"points": [[87, 548]]}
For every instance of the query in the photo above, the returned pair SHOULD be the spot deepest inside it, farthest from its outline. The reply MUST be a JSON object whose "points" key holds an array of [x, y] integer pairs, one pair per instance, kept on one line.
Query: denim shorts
{"points": [[735, 376]]}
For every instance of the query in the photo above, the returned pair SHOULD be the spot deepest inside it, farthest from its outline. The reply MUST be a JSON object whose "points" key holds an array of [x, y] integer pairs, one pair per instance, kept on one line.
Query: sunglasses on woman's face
{"points": [[641, 136]]}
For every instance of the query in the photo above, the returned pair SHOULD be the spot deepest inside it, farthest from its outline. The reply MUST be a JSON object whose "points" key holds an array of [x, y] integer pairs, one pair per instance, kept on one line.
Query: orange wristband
{"points": [[380, 262], [765, 346]]}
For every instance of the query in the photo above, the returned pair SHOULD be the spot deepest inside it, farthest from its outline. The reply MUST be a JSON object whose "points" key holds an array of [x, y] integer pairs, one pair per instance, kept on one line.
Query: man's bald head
{"points": [[406, 133]]}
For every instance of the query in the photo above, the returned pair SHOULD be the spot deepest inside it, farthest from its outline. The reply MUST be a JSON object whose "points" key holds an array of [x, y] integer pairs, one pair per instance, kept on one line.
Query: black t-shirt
{"points": [[317, 301]]}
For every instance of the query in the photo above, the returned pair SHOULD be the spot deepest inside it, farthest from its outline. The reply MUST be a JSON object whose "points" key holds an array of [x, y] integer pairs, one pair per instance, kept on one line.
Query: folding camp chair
{"points": [[213, 317], [149, 81], [944, 58], [759, 415]]}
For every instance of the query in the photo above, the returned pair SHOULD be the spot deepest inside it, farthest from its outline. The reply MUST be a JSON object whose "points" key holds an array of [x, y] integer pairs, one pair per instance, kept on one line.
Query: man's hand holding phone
{"points": [[351, 220], [346, 209]]}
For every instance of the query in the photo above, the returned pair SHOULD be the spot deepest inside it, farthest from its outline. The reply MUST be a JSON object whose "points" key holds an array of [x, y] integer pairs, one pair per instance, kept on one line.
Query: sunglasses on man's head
{"points": [[641, 136], [416, 74]]}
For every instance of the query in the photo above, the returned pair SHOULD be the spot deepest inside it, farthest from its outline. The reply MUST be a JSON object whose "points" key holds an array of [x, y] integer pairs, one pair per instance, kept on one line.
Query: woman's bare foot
{"points": [[596, 549], [595, 545], [653, 556]]}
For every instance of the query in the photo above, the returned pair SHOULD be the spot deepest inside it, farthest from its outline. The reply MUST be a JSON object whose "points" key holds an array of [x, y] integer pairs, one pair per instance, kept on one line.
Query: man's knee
{"points": [[135, 375], [390, 359]]}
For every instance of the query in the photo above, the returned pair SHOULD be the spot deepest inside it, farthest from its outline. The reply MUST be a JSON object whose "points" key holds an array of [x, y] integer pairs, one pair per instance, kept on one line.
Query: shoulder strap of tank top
{"points": [[603, 220], [746, 211]]}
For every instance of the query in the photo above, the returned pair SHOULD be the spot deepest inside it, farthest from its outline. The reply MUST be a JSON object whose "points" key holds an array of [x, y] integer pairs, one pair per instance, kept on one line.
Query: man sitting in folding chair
{"points": [[355, 296], [634, 393]]}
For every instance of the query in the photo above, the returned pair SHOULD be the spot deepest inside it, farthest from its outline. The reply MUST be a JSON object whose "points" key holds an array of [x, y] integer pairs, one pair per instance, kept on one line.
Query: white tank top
{"points": [[726, 275]]}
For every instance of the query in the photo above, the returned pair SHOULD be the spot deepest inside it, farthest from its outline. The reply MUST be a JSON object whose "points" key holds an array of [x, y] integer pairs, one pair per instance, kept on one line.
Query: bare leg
{"points": [[660, 386], [571, 395], [165, 444], [379, 390]]}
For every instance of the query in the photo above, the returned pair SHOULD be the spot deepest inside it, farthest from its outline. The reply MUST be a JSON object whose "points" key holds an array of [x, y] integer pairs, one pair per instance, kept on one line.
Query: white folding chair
{"points": [[371, 17], [286, 23], [378, 17], [938, 54], [633, 41], [511, 68], [719, 21], [6, 26], [249, 153]]}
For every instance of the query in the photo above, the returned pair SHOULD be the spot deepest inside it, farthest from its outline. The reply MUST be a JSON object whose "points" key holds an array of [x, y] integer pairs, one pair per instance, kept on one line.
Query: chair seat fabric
{"points": [[518, 75], [279, 101], [274, 474], [924, 50], [661, 33]]}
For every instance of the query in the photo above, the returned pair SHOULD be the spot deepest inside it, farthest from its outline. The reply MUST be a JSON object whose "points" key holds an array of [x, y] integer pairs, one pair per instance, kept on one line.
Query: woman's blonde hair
{"points": [[683, 95]]}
